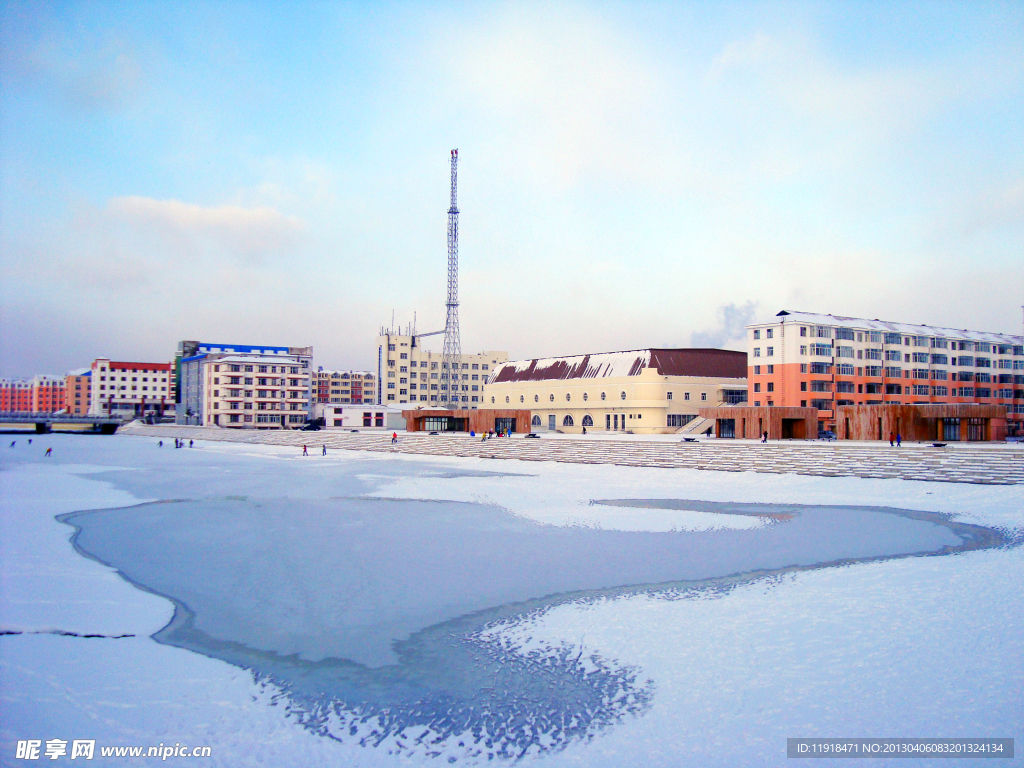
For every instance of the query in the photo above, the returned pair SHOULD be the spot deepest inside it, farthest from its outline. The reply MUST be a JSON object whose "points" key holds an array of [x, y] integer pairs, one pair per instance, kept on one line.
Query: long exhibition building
{"points": [[645, 391]]}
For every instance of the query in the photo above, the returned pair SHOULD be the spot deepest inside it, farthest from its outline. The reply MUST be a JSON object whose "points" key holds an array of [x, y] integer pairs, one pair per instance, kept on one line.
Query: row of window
{"points": [[622, 396], [964, 361], [145, 388], [262, 368], [134, 378], [434, 365], [881, 337], [433, 398]]}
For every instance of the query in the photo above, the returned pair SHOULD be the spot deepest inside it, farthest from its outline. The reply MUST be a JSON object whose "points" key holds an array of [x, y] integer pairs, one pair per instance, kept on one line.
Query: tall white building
{"points": [[408, 373], [244, 386]]}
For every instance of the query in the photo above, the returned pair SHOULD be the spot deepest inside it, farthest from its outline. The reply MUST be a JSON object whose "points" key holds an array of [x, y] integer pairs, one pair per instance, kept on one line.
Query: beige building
{"points": [[246, 392], [408, 373], [645, 391]]}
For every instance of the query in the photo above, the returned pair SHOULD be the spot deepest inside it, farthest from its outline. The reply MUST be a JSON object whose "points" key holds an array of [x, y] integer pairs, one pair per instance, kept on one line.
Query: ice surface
{"points": [[915, 646]]}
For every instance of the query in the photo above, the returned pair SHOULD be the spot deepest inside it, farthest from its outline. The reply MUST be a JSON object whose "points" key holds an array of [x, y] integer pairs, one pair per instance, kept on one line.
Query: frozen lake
{"points": [[419, 607]]}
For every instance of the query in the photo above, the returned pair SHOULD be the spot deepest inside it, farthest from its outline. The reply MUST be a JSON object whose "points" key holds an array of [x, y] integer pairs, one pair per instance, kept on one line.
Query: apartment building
{"points": [[78, 392], [247, 392], [15, 395], [40, 394], [409, 373], [238, 368], [351, 387], [802, 359], [645, 391], [131, 389]]}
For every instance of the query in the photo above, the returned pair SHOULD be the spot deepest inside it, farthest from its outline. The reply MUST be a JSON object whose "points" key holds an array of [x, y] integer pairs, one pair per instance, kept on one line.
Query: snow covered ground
{"points": [[918, 646]]}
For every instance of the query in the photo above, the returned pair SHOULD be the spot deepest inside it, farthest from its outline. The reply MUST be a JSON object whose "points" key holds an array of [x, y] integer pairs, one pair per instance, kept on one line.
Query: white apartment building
{"points": [[245, 392], [410, 374], [131, 389], [199, 405]]}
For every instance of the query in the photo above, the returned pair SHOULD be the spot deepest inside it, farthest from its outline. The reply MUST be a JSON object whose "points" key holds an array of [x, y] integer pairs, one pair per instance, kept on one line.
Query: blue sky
{"points": [[630, 174]]}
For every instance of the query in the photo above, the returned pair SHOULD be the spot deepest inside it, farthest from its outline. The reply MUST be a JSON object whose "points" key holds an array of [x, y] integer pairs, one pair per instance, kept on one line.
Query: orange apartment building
{"points": [[15, 395], [826, 362], [40, 394], [77, 392]]}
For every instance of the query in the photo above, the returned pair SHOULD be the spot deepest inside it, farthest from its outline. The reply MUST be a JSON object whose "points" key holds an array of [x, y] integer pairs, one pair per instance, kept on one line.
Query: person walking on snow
{"points": [[899, 439], [892, 439], [325, 449], [764, 437], [394, 438], [49, 452], [304, 452]]}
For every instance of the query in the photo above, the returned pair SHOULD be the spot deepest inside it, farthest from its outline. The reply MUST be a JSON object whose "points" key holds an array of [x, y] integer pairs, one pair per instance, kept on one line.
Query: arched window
{"points": [[584, 397], [587, 421], [567, 421], [536, 420], [568, 397], [602, 395], [552, 398], [622, 396]]}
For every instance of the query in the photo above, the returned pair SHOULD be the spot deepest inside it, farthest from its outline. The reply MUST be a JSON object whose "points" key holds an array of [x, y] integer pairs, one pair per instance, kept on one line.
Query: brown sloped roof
{"points": [[714, 363], [717, 363]]}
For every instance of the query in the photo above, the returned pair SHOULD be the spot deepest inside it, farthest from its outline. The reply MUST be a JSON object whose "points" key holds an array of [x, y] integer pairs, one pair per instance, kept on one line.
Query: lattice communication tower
{"points": [[451, 357]]}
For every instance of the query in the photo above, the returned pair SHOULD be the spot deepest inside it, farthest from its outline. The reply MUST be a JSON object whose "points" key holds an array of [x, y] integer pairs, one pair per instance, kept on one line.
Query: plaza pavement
{"points": [[991, 464]]}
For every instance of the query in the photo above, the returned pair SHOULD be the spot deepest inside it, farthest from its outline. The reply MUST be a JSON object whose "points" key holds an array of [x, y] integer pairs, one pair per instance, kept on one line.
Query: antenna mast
{"points": [[451, 357]]}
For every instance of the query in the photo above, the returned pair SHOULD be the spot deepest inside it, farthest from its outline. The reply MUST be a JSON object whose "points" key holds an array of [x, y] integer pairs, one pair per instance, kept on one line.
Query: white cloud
{"points": [[243, 233]]}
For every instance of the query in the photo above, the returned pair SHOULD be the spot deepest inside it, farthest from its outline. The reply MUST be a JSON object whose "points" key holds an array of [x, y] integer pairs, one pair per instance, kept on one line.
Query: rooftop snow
{"points": [[812, 318]]}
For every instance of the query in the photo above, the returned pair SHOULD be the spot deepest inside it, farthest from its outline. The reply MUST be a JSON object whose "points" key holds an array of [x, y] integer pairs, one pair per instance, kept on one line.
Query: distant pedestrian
{"points": [[325, 450], [49, 452], [764, 437], [189, 443], [13, 442], [161, 443], [899, 439], [892, 439], [394, 438], [30, 441], [584, 430], [304, 452]]}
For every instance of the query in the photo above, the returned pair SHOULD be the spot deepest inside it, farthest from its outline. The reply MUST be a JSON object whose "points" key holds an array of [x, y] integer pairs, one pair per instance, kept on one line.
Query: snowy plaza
{"points": [[381, 609]]}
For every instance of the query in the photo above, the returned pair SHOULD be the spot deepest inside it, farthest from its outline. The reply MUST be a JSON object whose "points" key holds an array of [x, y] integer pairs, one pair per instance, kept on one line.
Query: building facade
{"points": [[15, 395], [479, 420], [801, 359], [47, 393], [78, 392], [365, 416], [646, 391], [130, 389], [255, 378], [352, 387], [408, 373], [40, 394]]}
